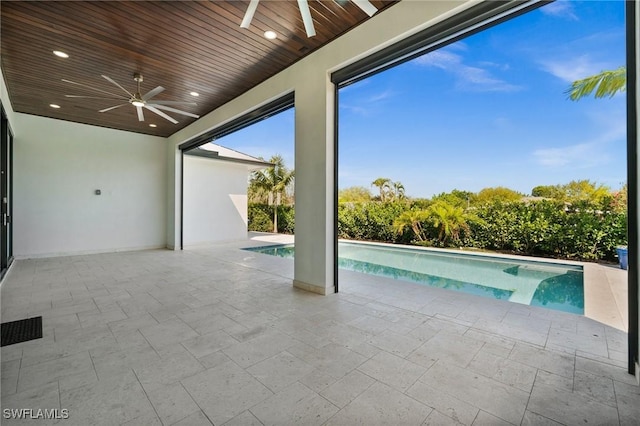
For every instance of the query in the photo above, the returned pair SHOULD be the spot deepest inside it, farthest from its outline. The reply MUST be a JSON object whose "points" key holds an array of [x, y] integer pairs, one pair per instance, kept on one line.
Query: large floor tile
{"points": [[225, 391], [503, 370], [46, 372], [454, 408], [394, 371], [295, 405], [570, 408], [347, 388], [333, 360], [503, 401], [553, 362], [262, 347], [381, 405], [453, 348], [628, 399], [110, 401], [280, 371], [168, 332]]}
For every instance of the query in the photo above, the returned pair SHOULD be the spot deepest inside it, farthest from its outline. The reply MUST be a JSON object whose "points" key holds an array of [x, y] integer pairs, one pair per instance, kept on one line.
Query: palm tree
{"points": [[448, 219], [412, 219], [384, 185], [398, 191], [273, 181], [606, 83]]}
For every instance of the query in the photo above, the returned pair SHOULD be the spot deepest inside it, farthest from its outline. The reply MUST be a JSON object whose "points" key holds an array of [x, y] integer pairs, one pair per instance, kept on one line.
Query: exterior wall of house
{"points": [[314, 145], [59, 165], [215, 201]]}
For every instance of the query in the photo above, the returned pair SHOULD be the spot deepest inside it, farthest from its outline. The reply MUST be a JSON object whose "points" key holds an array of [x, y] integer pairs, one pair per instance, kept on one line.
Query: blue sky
{"points": [[489, 110]]}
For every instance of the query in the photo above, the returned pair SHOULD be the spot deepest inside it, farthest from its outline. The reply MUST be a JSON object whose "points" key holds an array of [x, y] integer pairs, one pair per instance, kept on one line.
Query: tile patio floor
{"points": [[219, 336]]}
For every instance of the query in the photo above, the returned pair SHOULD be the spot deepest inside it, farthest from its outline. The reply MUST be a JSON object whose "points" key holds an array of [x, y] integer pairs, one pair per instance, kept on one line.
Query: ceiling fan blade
{"points": [[97, 90], [173, 103], [366, 6], [306, 18], [161, 114], [113, 107], [177, 111], [248, 16], [140, 113], [92, 97], [110, 80], [151, 93]]}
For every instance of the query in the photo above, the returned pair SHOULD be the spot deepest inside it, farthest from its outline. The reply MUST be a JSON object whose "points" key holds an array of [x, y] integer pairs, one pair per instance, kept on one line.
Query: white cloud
{"points": [[354, 109], [468, 77], [574, 69], [381, 96], [590, 153], [372, 99], [560, 9], [583, 155]]}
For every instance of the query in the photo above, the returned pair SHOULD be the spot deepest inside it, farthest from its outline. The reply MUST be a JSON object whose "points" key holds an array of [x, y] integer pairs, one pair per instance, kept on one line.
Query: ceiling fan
{"points": [[137, 100], [307, 20]]}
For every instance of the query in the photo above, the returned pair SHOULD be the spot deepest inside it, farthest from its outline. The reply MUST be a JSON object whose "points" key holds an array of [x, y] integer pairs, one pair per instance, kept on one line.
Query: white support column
{"points": [[174, 192], [314, 183]]}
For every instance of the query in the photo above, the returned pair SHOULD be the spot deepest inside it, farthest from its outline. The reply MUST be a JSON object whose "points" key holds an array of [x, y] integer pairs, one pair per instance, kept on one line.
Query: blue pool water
{"points": [[554, 286]]}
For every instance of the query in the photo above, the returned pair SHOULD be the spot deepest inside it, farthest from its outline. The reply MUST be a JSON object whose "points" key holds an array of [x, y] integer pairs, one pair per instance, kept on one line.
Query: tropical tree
{"points": [[605, 84], [449, 220], [354, 194], [499, 193], [456, 198], [398, 191], [384, 186], [546, 191], [412, 219], [575, 191], [273, 181], [585, 191]]}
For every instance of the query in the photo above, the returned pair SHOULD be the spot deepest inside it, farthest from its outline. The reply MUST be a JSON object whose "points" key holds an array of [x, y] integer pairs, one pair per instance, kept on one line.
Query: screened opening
{"points": [[470, 142], [239, 178]]}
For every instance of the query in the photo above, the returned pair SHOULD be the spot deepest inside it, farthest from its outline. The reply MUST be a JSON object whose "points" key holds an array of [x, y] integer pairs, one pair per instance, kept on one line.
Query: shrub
{"points": [[259, 218]]}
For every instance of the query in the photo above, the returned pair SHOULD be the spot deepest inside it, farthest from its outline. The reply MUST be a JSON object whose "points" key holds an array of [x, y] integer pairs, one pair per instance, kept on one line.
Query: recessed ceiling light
{"points": [[271, 35], [54, 106], [60, 54], [152, 125], [194, 94]]}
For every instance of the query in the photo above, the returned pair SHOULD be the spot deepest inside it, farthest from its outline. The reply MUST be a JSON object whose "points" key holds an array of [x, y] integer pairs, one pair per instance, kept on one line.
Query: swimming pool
{"points": [[553, 285]]}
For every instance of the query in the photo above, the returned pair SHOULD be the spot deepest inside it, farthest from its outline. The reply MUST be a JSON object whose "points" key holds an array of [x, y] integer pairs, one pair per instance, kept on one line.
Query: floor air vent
{"points": [[21, 331]]}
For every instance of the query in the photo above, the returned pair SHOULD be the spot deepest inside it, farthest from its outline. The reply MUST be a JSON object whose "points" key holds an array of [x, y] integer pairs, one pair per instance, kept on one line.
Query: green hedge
{"points": [[540, 228], [547, 228], [261, 218], [371, 221]]}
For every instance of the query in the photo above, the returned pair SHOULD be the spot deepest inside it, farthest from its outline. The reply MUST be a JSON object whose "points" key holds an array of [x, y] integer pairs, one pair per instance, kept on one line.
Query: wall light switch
{"points": [[98, 192]]}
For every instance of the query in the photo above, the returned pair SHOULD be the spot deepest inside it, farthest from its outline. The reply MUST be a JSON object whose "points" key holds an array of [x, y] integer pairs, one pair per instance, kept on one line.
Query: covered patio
{"points": [[138, 331]]}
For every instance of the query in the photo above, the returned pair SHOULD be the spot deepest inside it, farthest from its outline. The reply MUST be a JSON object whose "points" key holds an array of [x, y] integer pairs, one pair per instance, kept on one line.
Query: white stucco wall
{"points": [[215, 201], [58, 165]]}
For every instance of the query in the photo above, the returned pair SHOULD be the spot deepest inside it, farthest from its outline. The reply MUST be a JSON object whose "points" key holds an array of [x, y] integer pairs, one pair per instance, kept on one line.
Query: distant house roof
{"points": [[219, 152], [529, 199]]}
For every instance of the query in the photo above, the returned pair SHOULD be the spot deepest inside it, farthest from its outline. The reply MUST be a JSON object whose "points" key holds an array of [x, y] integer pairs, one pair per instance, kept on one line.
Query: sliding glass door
{"points": [[6, 149]]}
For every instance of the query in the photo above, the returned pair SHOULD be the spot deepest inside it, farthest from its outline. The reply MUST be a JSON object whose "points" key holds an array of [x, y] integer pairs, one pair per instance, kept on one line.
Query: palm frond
{"points": [[605, 84]]}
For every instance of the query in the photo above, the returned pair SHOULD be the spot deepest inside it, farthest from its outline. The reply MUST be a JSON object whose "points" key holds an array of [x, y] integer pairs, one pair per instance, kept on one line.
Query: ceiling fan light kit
{"points": [[137, 99], [305, 12]]}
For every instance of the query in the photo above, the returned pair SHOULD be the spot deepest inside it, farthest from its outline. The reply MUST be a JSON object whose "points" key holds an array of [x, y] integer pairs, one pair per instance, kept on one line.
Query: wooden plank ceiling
{"points": [[184, 46]]}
